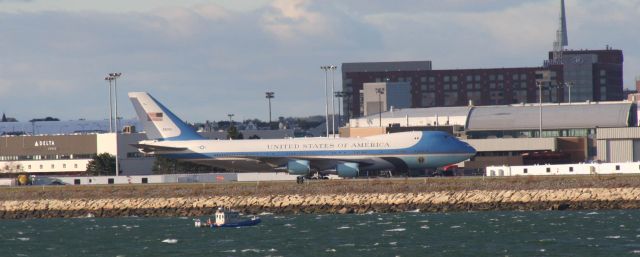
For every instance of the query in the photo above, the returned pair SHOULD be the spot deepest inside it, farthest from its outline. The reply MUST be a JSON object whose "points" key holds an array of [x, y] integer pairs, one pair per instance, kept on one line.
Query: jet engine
{"points": [[298, 167], [347, 169]]}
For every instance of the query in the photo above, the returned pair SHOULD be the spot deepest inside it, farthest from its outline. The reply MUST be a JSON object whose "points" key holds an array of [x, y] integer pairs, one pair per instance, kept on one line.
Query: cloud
{"points": [[207, 60]]}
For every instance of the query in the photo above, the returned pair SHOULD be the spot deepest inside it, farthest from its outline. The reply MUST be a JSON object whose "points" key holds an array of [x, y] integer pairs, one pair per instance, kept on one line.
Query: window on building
{"points": [[450, 98], [477, 77], [492, 85], [423, 79], [447, 87], [145, 180], [469, 86], [432, 79], [469, 78], [53, 166], [500, 77], [570, 169], [617, 167], [40, 166], [478, 86], [446, 78], [423, 87], [29, 166], [548, 170], [454, 78], [492, 77], [523, 76], [603, 73], [525, 171], [454, 86], [75, 165], [428, 99], [432, 87], [64, 165], [514, 76], [110, 181]]}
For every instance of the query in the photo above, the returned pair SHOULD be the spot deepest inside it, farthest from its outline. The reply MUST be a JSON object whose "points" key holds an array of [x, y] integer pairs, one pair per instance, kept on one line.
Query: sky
{"points": [[206, 59]]}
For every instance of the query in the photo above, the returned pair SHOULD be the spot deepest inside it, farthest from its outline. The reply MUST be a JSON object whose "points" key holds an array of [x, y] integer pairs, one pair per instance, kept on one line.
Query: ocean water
{"points": [[549, 233]]}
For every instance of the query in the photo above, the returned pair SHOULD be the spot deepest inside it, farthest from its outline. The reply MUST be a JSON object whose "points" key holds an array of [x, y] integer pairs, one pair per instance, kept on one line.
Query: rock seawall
{"points": [[468, 200]]}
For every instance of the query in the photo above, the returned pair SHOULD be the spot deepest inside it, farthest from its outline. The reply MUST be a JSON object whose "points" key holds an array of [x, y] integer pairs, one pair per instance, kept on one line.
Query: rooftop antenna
{"points": [[562, 39]]}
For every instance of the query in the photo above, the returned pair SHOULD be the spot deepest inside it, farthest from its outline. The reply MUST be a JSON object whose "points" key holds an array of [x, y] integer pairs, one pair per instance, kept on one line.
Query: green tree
{"points": [[233, 133], [102, 164]]}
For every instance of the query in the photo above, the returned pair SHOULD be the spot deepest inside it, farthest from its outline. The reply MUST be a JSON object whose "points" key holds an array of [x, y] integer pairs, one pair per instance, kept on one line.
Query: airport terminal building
{"points": [[510, 134]]}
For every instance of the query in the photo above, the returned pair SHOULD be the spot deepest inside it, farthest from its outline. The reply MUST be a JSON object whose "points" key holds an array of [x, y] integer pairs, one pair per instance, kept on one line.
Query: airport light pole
{"points": [[333, 105], [380, 91], [539, 84], [115, 76], [109, 78], [569, 85], [326, 103], [269, 96], [230, 119], [340, 96]]}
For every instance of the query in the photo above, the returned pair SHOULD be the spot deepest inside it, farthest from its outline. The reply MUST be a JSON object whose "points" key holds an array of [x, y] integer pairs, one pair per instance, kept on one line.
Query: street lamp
{"points": [[569, 85], [326, 105], [539, 85], [114, 76], [109, 78], [269, 96], [230, 119], [339, 95], [380, 91], [333, 105]]}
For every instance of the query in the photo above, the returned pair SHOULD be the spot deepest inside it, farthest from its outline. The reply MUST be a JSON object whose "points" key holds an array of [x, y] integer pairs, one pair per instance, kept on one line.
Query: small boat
{"points": [[228, 218]]}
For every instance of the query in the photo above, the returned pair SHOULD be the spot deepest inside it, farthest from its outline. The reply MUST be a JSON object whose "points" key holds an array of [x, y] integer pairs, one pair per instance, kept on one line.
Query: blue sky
{"points": [[205, 59]]}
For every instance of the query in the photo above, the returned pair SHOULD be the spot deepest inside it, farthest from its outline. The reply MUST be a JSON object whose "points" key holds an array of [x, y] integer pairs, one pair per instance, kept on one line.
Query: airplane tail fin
{"points": [[158, 121]]}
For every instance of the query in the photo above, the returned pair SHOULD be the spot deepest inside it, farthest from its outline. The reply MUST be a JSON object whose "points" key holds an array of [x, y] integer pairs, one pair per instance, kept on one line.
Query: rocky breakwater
{"points": [[465, 200]]}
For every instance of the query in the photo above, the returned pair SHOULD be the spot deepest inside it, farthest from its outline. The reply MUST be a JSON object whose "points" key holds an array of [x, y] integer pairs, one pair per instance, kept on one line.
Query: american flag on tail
{"points": [[154, 116]]}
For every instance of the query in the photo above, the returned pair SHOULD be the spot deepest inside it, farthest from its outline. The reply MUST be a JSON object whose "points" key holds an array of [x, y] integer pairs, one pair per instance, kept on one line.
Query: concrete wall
{"points": [[271, 176], [513, 144], [565, 169], [361, 132], [618, 144], [166, 178], [44, 166]]}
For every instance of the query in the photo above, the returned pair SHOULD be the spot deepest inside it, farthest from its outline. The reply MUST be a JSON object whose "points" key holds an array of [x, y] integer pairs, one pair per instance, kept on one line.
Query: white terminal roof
{"points": [[509, 117], [417, 117], [554, 116]]}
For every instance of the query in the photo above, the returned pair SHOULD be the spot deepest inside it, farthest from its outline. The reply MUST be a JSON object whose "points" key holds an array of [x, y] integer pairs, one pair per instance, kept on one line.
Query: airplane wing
{"points": [[316, 163]]}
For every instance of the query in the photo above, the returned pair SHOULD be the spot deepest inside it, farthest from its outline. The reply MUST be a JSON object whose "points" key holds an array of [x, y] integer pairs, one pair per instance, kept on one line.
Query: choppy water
{"points": [[584, 233]]}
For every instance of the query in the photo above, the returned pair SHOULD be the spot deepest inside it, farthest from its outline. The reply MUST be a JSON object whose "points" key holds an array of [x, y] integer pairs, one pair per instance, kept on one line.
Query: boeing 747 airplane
{"points": [[170, 137]]}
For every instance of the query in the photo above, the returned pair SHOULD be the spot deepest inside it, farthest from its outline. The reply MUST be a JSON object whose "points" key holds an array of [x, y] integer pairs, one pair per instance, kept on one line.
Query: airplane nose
{"points": [[469, 149]]}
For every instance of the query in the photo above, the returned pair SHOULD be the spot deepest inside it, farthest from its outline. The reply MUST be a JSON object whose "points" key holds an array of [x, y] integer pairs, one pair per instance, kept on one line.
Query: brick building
{"points": [[595, 75]]}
